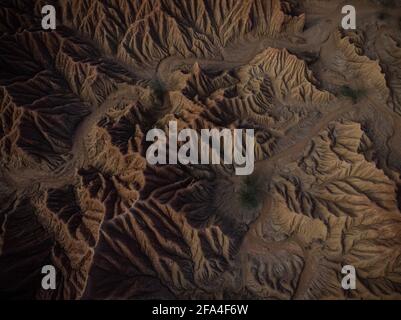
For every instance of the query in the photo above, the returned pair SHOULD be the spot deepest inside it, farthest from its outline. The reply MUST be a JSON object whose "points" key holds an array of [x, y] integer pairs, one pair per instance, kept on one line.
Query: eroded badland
{"points": [[76, 191]]}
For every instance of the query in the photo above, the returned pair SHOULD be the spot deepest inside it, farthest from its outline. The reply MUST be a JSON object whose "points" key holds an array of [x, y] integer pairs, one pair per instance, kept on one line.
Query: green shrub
{"points": [[388, 3], [250, 192], [354, 94], [159, 89], [382, 15]]}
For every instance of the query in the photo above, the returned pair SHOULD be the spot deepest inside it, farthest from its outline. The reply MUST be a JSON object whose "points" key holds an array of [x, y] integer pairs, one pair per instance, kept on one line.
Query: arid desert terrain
{"points": [[76, 189]]}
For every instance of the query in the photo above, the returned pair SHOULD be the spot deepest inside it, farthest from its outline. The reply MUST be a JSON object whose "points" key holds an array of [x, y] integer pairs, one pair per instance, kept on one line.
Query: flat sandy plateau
{"points": [[76, 191]]}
